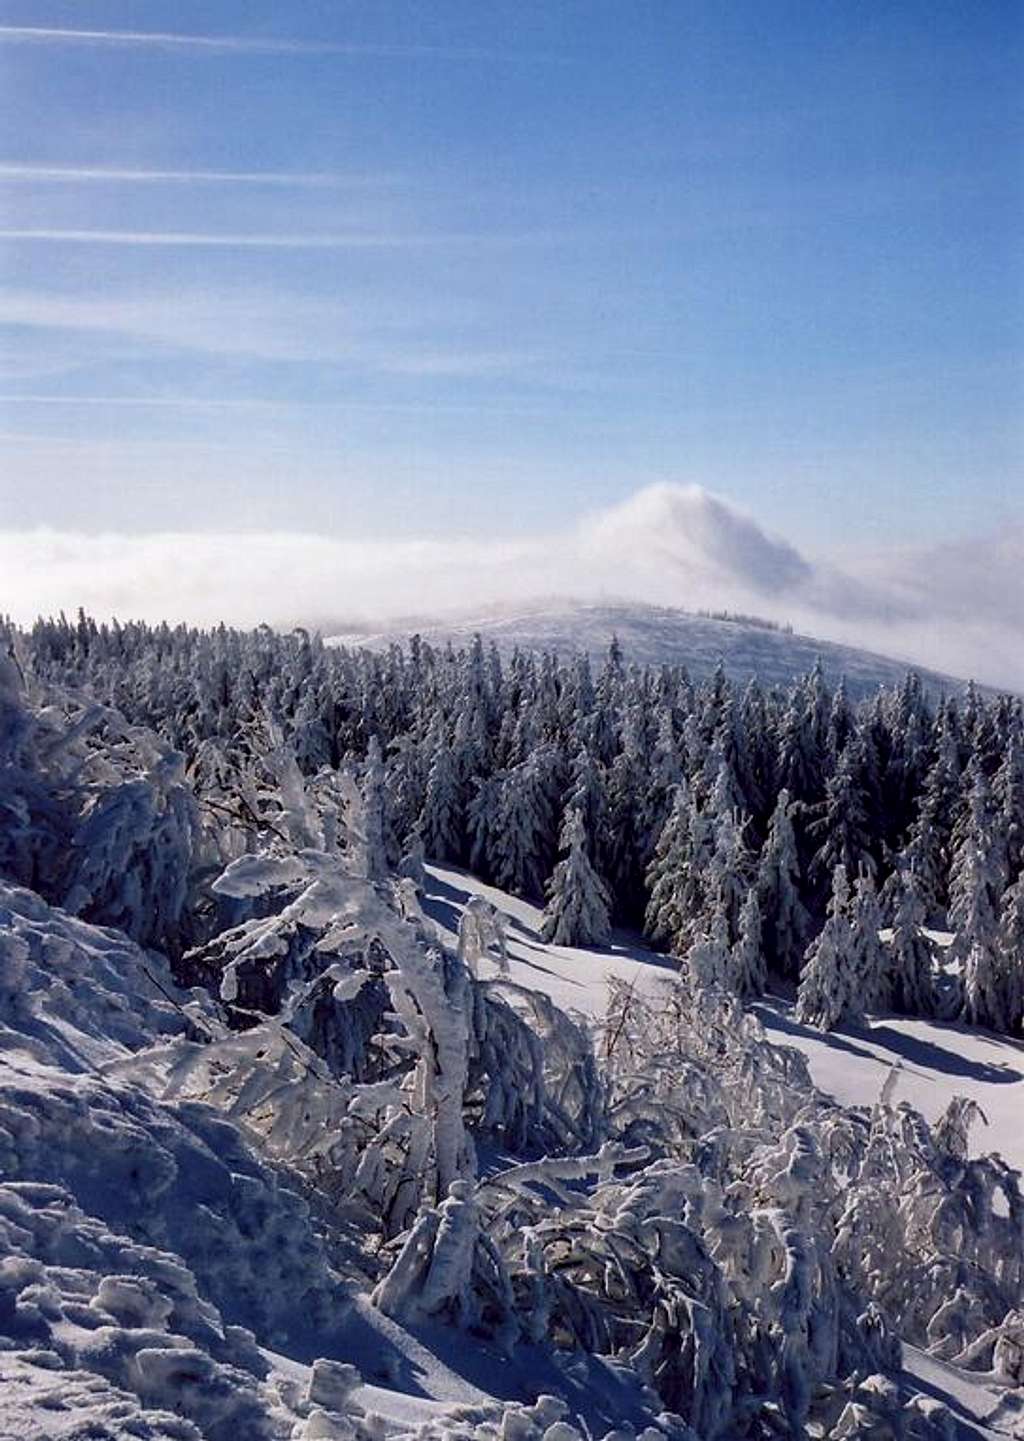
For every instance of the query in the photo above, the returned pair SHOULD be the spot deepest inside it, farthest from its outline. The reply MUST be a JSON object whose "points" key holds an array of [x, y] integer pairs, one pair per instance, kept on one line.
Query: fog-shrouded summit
{"points": [[746, 646], [958, 607]]}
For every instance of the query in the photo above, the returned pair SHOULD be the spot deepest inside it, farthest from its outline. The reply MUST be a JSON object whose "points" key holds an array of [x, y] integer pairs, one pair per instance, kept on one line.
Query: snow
{"points": [[159, 1281], [144, 1247], [968, 1398], [575, 977], [936, 1059], [654, 635]]}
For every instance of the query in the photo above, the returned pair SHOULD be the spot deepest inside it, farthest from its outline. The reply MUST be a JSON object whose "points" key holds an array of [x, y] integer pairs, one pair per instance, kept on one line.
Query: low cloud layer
{"points": [[958, 607]]}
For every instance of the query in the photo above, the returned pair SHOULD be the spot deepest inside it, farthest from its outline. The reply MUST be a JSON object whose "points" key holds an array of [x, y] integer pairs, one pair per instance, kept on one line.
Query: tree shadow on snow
{"points": [[940, 1058], [545, 970], [443, 912], [444, 902], [627, 945], [967, 1423], [773, 1018], [914, 1050]]}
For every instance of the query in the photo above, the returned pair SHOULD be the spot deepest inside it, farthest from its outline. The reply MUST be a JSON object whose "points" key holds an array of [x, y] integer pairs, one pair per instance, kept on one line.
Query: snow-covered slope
{"points": [[159, 1280], [656, 635], [936, 1060]]}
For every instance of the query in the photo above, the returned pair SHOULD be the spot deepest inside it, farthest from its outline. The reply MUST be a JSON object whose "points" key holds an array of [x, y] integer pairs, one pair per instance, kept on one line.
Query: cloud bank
{"points": [[958, 607]]}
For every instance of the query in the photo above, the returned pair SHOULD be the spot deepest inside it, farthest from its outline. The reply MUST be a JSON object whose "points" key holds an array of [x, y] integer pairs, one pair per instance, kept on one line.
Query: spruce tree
{"points": [[842, 826], [588, 794], [746, 970], [1011, 955], [374, 823], [871, 958], [728, 872], [679, 876], [829, 989], [483, 820], [577, 912], [708, 958], [976, 876], [976, 884], [522, 839], [785, 921], [668, 877], [441, 820], [1008, 794], [926, 854], [912, 953]]}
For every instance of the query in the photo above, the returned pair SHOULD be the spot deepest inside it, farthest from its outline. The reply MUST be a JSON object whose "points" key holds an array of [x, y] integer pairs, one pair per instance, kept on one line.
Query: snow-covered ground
{"points": [[658, 635], [144, 1246], [936, 1061]]}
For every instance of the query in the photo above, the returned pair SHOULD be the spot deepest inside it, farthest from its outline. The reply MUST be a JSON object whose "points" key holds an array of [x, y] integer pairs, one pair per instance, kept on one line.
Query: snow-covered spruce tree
{"points": [[677, 880], [842, 827], [986, 1002], [800, 746], [578, 907], [623, 857], [36, 813], [1008, 795], [841, 724], [872, 959], [374, 821], [668, 874], [708, 961], [910, 727], [441, 821], [785, 922], [666, 773], [1011, 954], [745, 973], [976, 885], [928, 846], [719, 784], [912, 962], [729, 871], [829, 990], [587, 793], [483, 816], [522, 842]]}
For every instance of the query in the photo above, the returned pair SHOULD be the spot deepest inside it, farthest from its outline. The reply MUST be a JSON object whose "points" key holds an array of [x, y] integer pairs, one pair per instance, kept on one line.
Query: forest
{"points": [[214, 850]]}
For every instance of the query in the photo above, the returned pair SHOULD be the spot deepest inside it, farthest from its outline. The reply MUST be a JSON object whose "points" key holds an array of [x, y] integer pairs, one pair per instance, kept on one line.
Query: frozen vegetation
{"points": [[332, 1105]]}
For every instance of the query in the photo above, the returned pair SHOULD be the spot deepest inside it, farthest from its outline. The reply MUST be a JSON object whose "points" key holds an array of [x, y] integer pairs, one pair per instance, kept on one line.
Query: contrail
{"points": [[74, 173], [339, 241], [255, 403], [244, 44]]}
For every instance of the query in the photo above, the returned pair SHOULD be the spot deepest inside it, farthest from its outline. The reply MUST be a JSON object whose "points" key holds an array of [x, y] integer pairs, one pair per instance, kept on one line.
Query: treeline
{"points": [[750, 831]]}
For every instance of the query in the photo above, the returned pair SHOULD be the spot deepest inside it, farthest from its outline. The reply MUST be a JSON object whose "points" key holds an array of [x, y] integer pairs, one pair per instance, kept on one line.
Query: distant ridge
{"points": [[657, 635]]}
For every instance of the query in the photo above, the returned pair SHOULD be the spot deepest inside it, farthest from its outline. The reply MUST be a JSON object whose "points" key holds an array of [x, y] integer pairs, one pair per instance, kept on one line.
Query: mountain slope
{"points": [[656, 635]]}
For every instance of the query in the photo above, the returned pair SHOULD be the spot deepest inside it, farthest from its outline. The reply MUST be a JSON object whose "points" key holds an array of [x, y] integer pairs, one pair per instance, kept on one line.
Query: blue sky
{"points": [[442, 269]]}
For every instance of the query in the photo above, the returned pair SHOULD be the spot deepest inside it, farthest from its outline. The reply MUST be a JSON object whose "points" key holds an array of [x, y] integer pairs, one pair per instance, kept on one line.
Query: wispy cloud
{"points": [[667, 544], [247, 44], [91, 174], [380, 332], [258, 404], [341, 240]]}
